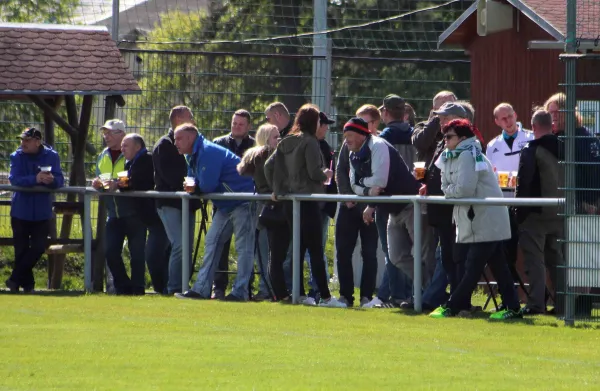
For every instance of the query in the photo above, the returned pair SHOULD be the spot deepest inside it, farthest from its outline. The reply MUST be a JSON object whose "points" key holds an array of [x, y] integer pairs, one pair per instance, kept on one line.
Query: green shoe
{"points": [[441, 312], [506, 315]]}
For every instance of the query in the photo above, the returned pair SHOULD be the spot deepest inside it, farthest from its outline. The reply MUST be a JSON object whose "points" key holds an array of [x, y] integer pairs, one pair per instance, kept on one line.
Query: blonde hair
{"points": [[369, 109], [560, 100], [247, 164], [263, 133], [501, 106]]}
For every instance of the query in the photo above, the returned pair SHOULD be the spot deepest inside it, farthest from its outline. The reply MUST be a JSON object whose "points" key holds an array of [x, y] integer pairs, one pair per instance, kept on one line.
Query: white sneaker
{"points": [[332, 303], [308, 301], [376, 302]]}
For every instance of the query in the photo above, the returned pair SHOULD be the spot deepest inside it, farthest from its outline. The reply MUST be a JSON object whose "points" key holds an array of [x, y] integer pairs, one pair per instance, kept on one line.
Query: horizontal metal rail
{"points": [[89, 192]]}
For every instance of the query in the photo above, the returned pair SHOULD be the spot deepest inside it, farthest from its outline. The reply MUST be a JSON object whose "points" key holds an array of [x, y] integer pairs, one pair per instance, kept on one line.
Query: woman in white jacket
{"points": [[480, 229]]}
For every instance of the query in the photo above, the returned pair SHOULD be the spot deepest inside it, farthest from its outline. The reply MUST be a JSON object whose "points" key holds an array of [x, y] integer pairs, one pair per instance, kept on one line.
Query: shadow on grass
{"points": [[49, 293]]}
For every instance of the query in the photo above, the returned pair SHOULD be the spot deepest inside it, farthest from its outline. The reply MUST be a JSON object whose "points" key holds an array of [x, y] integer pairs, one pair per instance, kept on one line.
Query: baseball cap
{"points": [[451, 108], [392, 102], [324, 119], [31, 133], [114, 125]]}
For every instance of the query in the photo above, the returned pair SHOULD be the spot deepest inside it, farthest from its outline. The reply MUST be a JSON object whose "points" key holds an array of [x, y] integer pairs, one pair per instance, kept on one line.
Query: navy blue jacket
{"points": [[23, 170], [215, 170]]}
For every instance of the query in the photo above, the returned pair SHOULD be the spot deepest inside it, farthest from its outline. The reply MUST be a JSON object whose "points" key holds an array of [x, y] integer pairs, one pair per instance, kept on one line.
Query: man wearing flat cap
{"points": [[32, 164]]}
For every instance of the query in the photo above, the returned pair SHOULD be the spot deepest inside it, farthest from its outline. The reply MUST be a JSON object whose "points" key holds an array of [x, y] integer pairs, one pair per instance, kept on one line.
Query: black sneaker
{"points": [[12, 286], [218, 295], [189, 295], [232, 297], [528, 311]]}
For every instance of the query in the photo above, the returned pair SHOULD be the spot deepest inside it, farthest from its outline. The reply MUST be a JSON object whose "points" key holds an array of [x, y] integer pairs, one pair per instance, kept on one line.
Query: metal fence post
{"points": [[571, 157], [418, 273], [185, 242], [87, 242], [297, 278]]}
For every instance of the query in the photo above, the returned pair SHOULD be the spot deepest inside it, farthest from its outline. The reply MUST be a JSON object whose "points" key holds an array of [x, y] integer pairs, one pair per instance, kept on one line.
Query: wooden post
{"points": [[99, 257], [77, 174]]}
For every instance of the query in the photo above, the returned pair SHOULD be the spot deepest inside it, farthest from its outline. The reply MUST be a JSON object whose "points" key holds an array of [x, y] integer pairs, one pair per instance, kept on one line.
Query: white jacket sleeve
{"points": [[464, 180]]}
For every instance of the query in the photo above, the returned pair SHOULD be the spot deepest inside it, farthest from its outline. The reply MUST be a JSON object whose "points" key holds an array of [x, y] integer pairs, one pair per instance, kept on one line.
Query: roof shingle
{"points": [[555, 13], [63, 59]]}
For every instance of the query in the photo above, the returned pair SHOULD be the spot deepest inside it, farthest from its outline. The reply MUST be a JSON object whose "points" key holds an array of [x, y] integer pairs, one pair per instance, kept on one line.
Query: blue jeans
{"points": [[435, 295], [171, 218], [241, 221], [287, 265], [261, 252], [395, 284], [135, 231]]}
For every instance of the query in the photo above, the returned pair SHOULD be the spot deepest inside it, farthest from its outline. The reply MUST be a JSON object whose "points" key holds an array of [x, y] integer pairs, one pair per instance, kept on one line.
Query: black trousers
{"points": [[476, 256], [222, 279], [311, 239], [30, 239], [348, 226], [453, 266]]}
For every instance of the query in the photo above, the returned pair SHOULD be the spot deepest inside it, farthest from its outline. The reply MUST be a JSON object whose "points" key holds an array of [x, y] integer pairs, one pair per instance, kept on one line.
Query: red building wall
{"points": [[503, 69]]}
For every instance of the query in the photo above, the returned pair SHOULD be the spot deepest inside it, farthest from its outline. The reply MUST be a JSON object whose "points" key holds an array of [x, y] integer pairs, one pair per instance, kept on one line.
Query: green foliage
{"points": [[37, 11], [367, 62]]}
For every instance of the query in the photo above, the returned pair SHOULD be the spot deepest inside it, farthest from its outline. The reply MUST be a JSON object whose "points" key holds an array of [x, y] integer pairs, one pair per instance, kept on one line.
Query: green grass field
{"points": [[155, 343]]}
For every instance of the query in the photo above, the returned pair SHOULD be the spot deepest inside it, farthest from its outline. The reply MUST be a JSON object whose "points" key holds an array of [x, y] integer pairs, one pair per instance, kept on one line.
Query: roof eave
{"points": [[461, 19], [48, 92], [537, 19]]}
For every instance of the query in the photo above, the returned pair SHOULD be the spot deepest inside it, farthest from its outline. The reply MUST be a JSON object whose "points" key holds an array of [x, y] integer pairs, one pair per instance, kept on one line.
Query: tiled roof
{"points": [[554, 12], [68, 60]]}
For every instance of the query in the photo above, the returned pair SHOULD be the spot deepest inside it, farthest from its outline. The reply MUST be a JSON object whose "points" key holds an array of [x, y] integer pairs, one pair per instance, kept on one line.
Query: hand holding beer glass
{"points": [[123, 178], [503, 178], [105, 179], [189, 184], [419, 170]]}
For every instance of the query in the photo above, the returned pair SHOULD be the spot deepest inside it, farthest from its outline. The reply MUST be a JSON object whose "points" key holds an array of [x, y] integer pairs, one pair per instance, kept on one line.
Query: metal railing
{"points": [[417, 201]]}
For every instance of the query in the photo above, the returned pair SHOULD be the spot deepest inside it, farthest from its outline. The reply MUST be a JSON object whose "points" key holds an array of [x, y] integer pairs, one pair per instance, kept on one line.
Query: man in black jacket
{"points": [[237, 141], [439, 216], [140, 172], [540, 176], [170, 168], [277, 114]]}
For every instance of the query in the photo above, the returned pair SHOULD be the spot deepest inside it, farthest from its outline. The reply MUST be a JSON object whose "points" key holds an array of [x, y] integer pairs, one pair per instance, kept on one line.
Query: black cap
{"points": [[324, 119], [31, 133], [392, 102]]}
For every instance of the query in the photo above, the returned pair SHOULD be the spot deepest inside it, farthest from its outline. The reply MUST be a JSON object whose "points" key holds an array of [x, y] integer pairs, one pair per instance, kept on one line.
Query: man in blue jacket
{"points": [[32, 164], [214, 169]]}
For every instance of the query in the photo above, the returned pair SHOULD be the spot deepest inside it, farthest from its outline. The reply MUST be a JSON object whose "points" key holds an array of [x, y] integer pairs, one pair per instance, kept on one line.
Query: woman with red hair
{"points": [[480, 229]]}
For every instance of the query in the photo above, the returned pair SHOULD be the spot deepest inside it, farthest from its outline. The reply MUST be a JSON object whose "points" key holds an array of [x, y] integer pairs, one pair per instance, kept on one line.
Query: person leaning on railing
{"points": [[32, 164], [480, 229], [296, 167], [213, 169], [252, 164], [140, 177]]}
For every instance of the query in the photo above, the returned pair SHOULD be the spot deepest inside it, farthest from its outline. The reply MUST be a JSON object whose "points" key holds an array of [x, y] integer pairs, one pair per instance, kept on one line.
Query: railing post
{"points": [[185, 242], [418, 272], [87, 242], [297, 278]]}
